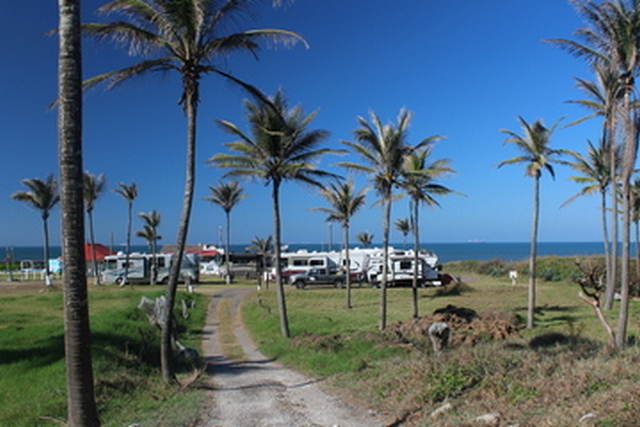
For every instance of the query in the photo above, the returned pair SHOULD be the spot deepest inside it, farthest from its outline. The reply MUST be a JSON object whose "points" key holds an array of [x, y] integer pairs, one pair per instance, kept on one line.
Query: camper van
{"points": [[143, 266]]}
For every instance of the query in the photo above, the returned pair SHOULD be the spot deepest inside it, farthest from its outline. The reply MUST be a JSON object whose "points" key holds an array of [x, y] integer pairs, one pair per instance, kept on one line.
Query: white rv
{"points": [[143, 266]]}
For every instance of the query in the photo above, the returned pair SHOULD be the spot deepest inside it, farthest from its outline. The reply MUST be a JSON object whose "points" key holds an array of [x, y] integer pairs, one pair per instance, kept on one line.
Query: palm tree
{"points": [[612, 39], [189, 37], [226, 195], [344, 202], [365, 238], [280, 148], [81, 405], [538, 156], [43, 196], [605, 96], [403, 225], [595, 176], [262, 247], [383, 149], [418, 182], [149, 232], [129, 193], [94, 186]]}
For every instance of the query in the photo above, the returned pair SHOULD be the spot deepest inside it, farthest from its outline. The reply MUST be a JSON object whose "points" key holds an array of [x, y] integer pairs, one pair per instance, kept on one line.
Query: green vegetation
{"points": [[551, 375], [129, 388]]}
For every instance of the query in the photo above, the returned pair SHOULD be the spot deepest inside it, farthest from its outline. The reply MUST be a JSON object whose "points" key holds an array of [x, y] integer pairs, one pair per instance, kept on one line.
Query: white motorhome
{"points": [[365, 263], [141, 268]]}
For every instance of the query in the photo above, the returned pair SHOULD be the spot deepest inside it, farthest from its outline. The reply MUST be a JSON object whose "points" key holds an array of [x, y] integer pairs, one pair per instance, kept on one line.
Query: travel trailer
{"points": [[141, 268]]}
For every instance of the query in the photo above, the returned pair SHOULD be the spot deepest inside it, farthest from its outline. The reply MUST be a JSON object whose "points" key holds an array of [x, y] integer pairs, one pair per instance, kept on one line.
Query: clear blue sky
{"points": [[465, 68]]}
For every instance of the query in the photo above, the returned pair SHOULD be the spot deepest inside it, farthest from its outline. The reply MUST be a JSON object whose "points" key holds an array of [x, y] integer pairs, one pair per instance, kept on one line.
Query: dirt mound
{"points": [[467, 326]]}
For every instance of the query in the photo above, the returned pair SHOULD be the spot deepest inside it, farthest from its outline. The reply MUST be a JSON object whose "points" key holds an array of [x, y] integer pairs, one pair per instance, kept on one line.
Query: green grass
{"points": [[125, 357], [554, 383]]}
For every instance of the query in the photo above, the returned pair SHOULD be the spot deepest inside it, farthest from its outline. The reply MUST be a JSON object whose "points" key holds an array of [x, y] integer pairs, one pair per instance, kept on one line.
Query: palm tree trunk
{"points": [[166, 343], [81, 407], [226, 251], [93, 249], [348, 262], [385, 266], [624, 278], [126, 265], [533, 254], [628, 166], [282, 304], [45, 226], [637, 224], [605, 234], [416, 249], [613, 259]]}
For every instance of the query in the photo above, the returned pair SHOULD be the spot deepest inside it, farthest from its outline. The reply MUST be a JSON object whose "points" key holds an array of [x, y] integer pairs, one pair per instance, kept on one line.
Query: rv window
{"points": [[160, 262], [405, 265], [298, 262], [316, 262]]}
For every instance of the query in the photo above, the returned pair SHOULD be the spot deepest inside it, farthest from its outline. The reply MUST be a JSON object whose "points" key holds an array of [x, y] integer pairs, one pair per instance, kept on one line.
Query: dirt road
{"points": [[258, 392]]}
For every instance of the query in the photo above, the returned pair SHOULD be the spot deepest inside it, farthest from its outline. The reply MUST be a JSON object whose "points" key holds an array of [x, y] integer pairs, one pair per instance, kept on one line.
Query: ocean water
{"points": [[447, 252]]}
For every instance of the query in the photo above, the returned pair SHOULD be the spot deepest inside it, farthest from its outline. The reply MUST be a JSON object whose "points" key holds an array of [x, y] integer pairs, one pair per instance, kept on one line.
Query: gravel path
{"points": [[259, 392]]}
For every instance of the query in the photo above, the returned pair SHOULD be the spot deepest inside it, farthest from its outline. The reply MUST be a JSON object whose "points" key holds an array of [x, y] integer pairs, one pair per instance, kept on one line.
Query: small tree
{"points": [[94, 186], [149, 232], [344, 202], [226, 195], [403, 225], [365, 238], [262, 247], [129, 193], [43, 196]]}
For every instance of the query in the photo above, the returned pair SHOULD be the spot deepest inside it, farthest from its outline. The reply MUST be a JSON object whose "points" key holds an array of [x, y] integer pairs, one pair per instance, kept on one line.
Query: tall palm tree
{"points": [[595, 176], [365, 238], [94, 186], [403, 225], [262, 247], [344, 203], [149, 232], [81, 405], [43, 196], [612, 39], [279, 148], [419, 182], [605, 98], [227, 195], [383, 148], [538, 156], [129, 193], [189, 37]]}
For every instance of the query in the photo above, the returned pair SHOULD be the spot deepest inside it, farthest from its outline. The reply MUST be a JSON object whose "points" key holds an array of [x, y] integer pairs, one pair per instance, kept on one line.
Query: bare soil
{"points": [[260, 392]]}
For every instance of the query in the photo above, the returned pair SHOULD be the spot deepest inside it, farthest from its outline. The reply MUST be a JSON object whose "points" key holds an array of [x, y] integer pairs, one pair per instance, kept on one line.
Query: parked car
{"points": [[320, 276]]}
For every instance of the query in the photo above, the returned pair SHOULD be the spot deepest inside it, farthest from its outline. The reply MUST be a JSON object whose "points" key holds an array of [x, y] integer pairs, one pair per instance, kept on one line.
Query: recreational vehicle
{"points": [[142, 267]]}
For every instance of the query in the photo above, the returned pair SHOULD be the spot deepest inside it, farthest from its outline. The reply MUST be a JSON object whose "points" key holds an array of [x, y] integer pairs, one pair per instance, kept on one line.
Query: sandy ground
{"points": [[259, 392]]}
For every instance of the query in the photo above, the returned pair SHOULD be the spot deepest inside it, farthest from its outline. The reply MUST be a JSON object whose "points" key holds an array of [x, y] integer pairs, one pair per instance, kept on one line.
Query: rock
{"points": [[438, 411], [587, 418], [490, 419], [439, 335]]}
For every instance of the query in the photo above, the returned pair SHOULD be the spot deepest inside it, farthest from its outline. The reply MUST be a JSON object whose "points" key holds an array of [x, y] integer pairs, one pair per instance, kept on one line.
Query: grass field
{"points": [[551, 384], [550, 376], [125, 352]]}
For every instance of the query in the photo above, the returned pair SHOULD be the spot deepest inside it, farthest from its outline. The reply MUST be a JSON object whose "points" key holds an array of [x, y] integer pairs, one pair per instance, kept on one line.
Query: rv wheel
{"points": [[119, 280]]}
